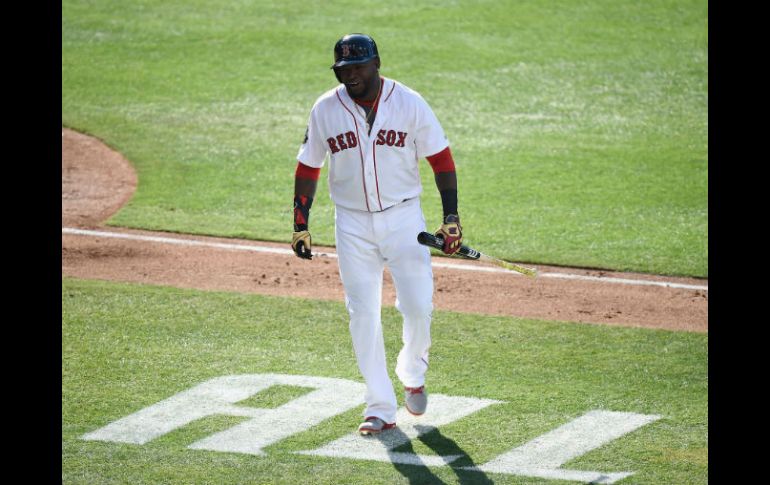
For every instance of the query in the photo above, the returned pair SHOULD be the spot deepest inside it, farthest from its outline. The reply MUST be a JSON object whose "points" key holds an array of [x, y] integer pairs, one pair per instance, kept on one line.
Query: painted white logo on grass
{"points": [[543, 456], [218, 397], [443, 410], [540, 457]]}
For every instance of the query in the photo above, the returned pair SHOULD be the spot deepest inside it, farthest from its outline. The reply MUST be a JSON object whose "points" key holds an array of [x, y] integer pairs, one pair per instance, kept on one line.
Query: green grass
{"points": [[579, 129], [125, 347]]}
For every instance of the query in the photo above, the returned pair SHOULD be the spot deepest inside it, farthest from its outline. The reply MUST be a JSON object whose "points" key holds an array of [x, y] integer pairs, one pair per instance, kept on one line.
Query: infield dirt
{"points": [[97, 181]]}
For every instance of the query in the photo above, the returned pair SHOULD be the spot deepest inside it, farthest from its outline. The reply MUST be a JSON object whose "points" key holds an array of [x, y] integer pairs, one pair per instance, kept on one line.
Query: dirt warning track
{"points": [[97, 181]]}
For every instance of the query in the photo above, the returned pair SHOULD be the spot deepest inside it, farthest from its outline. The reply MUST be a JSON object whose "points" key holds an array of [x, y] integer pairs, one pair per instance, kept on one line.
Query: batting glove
{"points": [[300, 243], [452, 233]]}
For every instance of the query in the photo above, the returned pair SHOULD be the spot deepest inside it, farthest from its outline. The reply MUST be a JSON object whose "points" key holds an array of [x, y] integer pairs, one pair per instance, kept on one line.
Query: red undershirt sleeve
{"points": [[305, 172], [442, 161]]}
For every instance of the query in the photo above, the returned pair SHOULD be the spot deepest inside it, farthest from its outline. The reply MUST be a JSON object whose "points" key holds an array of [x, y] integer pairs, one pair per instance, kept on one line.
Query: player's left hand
{"points": [[452, 233]]}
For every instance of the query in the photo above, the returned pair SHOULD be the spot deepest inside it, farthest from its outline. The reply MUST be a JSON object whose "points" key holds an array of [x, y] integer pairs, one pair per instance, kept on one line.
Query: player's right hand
{"points": [[300, 243]]}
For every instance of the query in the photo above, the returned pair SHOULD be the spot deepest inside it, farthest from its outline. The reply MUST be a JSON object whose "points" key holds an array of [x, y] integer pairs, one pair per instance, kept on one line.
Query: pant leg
{"points": [[409, 264], [361, 267]]}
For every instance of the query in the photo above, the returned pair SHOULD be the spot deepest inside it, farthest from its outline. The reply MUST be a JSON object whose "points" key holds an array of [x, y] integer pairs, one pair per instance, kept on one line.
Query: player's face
{"points": [[361, 80]]}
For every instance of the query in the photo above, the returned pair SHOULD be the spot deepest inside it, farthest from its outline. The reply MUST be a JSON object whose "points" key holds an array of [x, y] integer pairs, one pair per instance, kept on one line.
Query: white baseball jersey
{"points": [[372, 172]]}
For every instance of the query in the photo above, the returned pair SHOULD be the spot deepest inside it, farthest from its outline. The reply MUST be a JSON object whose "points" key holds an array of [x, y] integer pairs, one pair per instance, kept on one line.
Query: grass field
{"points": [[126, 347], [579, 128], [580, 134]]}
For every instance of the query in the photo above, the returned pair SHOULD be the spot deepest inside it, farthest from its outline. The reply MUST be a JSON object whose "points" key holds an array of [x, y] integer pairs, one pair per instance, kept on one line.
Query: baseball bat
{"points": [[428, 239]]}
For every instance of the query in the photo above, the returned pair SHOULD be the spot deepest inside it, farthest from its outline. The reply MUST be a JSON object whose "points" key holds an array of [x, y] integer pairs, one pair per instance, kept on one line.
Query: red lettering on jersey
{"points": [[401, 139], [350, 137], [343, 146], [391, 138], [332, 145]]}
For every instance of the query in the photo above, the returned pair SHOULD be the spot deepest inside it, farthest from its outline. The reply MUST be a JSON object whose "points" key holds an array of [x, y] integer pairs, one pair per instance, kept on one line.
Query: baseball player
{"points": [[374, 131]]}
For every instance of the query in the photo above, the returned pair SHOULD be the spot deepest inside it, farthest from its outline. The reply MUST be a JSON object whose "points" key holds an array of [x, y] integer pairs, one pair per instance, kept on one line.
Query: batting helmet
{"points": [[354, 49]]}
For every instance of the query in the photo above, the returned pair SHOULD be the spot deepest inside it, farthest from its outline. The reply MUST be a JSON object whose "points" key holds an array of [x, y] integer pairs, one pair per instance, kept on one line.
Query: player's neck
{"points": [[365, 104]]}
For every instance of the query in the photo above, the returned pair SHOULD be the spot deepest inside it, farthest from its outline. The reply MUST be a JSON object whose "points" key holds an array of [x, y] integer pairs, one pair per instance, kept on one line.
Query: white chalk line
{"points": [[289, 252]]}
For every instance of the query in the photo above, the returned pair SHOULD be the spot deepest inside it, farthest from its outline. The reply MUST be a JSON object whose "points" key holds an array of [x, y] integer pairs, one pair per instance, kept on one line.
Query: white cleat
{"points": [[416, 400], [373, 425]]}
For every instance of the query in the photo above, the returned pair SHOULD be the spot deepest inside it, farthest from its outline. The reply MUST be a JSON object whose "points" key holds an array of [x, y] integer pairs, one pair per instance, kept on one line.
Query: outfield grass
{"points": [[579, 128], [125, 347]]}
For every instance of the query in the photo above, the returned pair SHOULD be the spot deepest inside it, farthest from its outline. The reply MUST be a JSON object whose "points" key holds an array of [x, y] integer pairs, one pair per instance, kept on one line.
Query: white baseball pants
{"points": [[366, 242]]}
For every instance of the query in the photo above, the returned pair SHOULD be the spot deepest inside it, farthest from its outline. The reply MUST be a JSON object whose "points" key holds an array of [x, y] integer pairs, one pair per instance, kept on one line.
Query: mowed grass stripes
{"points": [[579, 129], [126, 347]]}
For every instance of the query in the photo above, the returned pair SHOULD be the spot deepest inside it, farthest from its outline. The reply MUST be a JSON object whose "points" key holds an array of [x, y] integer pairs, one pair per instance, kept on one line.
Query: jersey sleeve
{"points": [[430, 138], [313, 150]]}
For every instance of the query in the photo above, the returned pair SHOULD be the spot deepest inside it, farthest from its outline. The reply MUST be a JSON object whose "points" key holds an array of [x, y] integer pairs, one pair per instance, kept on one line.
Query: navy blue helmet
{"points": [[354, 49]]}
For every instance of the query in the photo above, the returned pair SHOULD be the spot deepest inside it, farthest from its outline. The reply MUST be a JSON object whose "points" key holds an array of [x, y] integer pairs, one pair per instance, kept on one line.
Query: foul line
{"points": [[465, 267]]}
